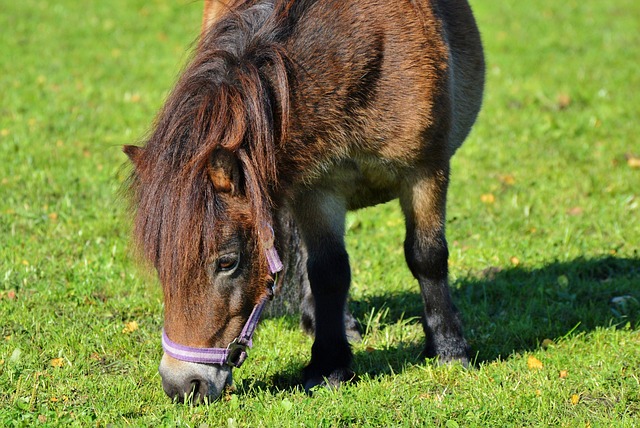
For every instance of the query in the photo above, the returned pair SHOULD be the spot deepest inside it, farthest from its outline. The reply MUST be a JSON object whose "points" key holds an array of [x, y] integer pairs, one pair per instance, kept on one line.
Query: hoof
{"points": [[449, 360], [448, 351], [332, 381]]}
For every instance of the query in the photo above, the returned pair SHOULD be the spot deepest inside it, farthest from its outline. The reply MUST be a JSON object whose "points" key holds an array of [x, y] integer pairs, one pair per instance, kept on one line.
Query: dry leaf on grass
{"points": [[632, 161], [490, 272], [9, 295], [57, 362], [575, 211], [488, 198], [533, 363], [507, 179], [563, 100], [130, 327]]}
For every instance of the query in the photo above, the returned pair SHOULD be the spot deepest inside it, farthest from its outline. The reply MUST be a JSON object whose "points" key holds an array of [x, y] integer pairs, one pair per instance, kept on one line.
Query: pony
{"points": [[315, 108]]}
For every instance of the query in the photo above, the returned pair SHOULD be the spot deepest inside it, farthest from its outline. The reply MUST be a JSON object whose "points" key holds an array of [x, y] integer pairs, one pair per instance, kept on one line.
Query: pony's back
{"points": [[388, 79]]}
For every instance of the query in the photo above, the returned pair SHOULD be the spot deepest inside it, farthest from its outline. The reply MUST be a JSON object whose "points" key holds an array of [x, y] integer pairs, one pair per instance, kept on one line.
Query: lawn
{"points": [[543, 226]]}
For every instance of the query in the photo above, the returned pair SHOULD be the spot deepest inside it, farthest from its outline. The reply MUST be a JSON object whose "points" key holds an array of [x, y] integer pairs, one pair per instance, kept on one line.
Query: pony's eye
{"points": [[228, 262]]}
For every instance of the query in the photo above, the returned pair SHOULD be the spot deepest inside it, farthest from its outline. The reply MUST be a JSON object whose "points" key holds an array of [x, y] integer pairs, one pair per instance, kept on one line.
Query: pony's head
{"points": [[201, 187], [208, 247]]}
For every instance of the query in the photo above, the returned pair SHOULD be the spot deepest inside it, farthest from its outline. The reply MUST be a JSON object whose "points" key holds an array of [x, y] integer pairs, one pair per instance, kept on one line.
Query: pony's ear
{"points": [[224, 172], [134, 153]]}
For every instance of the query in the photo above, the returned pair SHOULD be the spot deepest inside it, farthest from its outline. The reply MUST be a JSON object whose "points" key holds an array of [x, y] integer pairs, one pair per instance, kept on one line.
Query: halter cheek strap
{"points": [[236, 352]]}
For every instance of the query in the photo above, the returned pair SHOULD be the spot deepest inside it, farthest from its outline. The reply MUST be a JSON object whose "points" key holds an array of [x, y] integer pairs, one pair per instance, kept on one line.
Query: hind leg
{"points": [[320, 217], [423, 200]]}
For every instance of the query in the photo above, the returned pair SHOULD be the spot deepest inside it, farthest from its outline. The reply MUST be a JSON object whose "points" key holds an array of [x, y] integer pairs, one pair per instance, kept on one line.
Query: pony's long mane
{"points": [[234, 95]]}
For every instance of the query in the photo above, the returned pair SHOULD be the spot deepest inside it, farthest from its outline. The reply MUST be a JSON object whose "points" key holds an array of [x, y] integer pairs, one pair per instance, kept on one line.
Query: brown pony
{"points": [[317, 107]]}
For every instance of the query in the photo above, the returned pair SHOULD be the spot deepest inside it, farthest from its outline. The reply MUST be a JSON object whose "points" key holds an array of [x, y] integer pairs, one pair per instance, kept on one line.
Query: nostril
{"points": [[196, 389], [192, 391]]}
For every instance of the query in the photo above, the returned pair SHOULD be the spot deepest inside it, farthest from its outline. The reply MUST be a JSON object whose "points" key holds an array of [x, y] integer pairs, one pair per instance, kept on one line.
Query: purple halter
{"points": [[236, 352]]}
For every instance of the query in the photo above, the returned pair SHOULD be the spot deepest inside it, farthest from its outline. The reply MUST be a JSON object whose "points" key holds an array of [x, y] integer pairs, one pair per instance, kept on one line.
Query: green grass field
{"points": [[543, 225]]}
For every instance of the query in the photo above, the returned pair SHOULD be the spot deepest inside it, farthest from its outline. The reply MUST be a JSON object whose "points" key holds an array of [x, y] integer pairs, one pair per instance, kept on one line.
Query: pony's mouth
{"points": [[196, 383]]}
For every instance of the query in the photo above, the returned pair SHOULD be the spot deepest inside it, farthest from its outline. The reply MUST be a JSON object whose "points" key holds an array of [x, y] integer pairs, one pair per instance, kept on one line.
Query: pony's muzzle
{"points": [[193, 382]]}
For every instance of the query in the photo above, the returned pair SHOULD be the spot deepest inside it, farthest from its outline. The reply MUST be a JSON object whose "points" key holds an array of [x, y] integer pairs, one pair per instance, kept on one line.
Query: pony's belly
{"points": [[361, 183]]}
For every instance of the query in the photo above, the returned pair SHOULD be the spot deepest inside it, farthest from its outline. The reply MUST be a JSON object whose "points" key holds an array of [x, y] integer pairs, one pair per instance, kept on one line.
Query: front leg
{"points": [[423, 200], [320, 216]]}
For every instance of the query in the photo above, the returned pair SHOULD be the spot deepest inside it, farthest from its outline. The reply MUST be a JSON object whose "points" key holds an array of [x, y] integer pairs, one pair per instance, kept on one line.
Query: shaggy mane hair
{"points": [[233, 96]]}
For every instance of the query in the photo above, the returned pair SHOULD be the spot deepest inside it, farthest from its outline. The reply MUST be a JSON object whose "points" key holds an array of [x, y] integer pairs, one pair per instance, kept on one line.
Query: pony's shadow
{"points": [[505, 311]]}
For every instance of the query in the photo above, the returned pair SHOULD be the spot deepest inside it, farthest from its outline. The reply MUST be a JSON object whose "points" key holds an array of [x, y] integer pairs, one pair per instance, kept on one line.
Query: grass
{"points": [[543, 230]]}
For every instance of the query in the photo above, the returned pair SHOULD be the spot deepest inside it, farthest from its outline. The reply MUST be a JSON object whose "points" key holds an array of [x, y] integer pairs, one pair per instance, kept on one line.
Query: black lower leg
{"points": [[329, 276], [428, 259]]}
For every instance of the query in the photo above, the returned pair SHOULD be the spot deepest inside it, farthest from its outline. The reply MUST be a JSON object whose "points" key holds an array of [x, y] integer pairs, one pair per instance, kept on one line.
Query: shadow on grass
{"points": [[508, 311], [516, 309]]}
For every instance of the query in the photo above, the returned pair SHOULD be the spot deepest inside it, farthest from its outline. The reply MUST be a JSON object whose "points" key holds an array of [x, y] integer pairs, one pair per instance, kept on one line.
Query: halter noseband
{"points": [[236, 352]]}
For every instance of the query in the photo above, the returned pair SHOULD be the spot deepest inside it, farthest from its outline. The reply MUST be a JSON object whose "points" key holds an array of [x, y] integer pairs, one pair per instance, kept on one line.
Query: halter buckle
{"points": [[236, 352]]}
